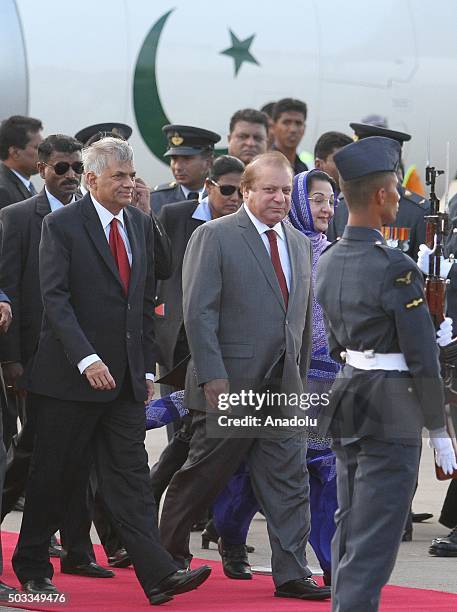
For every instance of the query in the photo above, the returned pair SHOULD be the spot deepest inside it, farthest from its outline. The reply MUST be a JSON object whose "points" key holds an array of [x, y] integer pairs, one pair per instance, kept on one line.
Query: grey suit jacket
{"points": [[236, 321], [12, 189]]}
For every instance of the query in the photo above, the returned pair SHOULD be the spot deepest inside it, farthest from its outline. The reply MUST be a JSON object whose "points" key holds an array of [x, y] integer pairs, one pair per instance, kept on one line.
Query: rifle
{"points": [[437, 224], [436, 228]]}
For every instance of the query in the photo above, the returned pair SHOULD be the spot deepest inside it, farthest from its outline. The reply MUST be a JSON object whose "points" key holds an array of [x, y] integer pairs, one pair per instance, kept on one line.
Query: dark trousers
{"points": [[67, 433], [2, 470], [375, 485], [103, 521], [279, 480], [75, 527], [448, 516]]}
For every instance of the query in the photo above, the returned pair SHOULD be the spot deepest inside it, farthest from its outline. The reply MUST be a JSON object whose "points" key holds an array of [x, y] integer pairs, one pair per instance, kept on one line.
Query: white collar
{"points": [[105, 215], [55, 202], [262, 227], [203, 211], [186, 191], [23, 179]]}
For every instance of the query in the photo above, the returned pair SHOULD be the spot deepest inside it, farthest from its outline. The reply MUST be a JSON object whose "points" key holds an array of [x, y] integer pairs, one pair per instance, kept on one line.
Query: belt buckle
{"points": [[370, 354]]}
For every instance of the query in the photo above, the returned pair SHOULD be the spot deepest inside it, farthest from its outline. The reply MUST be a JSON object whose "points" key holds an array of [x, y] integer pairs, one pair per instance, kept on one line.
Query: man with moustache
{"points": [[92, 373], [289, 122], [60, 166]]}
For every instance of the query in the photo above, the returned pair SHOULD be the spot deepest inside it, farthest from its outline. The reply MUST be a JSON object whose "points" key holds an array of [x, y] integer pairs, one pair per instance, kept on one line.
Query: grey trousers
{"points": [[279, 477], [375, 483]]}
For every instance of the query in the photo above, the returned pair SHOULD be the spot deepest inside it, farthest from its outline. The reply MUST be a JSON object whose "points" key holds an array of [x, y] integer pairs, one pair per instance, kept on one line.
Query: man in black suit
{"points": [[5, 321], [61, 167], [92, 373], [19, 140]]}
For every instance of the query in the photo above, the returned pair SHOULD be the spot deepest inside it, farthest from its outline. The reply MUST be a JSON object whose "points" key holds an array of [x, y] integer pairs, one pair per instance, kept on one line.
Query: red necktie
{"points": [[119, 252], [276, 261]]}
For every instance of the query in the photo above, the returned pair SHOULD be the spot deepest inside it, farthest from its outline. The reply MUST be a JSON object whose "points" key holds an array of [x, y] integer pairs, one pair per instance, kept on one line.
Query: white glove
{"points": [[444, 454], [423, 261], [444, 333]]}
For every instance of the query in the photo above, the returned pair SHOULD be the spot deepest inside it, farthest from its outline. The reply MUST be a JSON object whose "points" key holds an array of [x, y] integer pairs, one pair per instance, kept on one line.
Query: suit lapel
{"points": [[95, 230], [132, 233], [16, 181], [255, 243], [192, 224], [42, 208], [291, 241]]}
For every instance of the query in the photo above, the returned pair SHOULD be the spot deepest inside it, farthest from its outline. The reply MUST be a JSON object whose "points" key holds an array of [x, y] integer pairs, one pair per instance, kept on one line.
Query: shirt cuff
{"points": [[150, 376], [438, 433], [87, 361]]}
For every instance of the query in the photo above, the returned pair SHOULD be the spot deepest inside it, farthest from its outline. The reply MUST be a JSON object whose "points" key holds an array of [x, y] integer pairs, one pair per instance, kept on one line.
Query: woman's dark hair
{"points": [[318, 175], [224, 165]]}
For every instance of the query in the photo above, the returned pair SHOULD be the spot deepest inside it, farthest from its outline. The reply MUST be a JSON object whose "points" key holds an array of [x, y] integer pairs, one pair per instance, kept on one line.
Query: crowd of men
{"points": [[107, 286]]}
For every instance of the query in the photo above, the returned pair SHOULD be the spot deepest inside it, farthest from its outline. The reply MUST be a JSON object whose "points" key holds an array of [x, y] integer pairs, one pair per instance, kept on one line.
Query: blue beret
{"points": [[367, 156]]}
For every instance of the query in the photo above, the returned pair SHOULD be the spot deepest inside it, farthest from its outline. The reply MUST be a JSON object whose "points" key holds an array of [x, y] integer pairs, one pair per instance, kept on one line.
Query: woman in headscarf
{"points": [[312, 207]]}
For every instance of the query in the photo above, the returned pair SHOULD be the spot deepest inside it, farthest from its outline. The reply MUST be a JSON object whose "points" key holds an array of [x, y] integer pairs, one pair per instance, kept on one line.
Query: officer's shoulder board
{"points": [[165, 186], [394, 255], [415, 198]]}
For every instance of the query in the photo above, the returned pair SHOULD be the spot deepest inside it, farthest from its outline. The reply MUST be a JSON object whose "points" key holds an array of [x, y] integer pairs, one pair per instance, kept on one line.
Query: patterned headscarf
{"points": [[322, 365]]}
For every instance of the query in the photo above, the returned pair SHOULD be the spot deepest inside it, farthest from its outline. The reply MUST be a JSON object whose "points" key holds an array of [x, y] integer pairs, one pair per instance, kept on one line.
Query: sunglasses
{"points": [[61, 168], [227, 190]]}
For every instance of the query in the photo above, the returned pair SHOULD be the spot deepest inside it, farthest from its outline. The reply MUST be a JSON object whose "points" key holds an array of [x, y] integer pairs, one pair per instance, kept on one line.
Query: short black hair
{"points": [[328, 142], [14, 132], [318, 175], [224, 165], [289, 104], [357, 192], [268, 108], [57, 142], [251, 115]]}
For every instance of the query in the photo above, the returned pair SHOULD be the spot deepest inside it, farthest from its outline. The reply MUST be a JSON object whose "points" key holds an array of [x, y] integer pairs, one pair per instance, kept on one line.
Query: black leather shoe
{"points": [[6, 590], [120, 559], [407, 535], [39, 585], [421, 517], [304, 588], [327, 577], [181, 581], [445, 547], [91, 570], [235, 561], [55, 549], [209, 534]]}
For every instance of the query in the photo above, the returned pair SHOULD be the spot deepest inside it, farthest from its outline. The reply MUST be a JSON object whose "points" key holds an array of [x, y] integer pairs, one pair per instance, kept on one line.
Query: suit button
{"points": [[128, 335], [129, 307], [287, 322]]}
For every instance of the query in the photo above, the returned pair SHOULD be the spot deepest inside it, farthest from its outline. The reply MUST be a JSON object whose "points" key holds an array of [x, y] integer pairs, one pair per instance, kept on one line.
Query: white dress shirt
{"points": [[282, 243], [203, 211], [54, 203], [106, 217]]}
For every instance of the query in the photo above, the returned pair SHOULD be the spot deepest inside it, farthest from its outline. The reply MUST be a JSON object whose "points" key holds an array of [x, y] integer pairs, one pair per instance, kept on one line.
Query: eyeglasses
{"points": [[61, 168], [319, 200], [227, 190]]}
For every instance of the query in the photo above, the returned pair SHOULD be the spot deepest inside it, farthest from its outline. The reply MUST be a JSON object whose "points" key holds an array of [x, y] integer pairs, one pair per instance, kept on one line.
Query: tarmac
{"points": [[414, 566]]}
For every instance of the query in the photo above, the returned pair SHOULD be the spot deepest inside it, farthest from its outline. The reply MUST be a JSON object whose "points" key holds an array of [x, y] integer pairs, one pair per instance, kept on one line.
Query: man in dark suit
{"points": [[247, 310], [5, 321], [61, 167], [190, 150], [92, 373], [19, 140], [180, 220]]}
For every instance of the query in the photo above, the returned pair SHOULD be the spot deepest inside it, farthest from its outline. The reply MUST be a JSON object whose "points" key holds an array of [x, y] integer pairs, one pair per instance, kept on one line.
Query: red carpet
{"points": [[217, 594]]}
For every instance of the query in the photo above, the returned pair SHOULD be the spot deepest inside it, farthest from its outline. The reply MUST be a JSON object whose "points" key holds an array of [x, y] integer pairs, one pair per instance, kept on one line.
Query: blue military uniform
{"points": [[183, 140], [407, 233], [388, 389]]}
